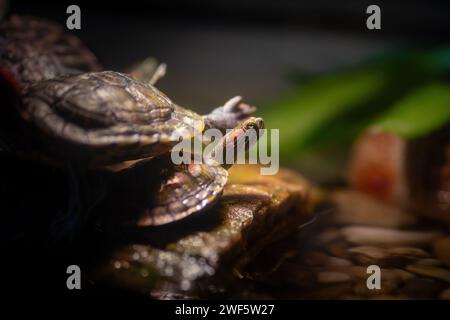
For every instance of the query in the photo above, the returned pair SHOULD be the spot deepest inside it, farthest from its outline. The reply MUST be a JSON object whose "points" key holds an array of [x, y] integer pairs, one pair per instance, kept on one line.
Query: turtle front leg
{"points": [[231, 114]]}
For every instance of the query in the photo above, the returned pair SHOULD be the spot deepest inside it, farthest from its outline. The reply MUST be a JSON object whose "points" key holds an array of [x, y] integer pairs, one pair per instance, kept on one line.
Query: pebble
{"points": [[335, 291], [441, 248], [339, 249], [431, 262], [349, 297], [409, 252], [387, 237], [338, 262], [445, 295], [420, 288], [333, 262], [361, 289], [290, 273], [332, 277], [372, 252], [358, 208], [393, 257], [431, 272], [389, 297], [315, 258], [391, 280], [356, 273], [327, 236], [395, 275]]}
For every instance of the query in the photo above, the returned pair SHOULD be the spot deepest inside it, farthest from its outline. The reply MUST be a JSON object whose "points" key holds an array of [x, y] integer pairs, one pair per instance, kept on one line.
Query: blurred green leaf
{"points": [[307, 108], [333, 108], [419, 113]]}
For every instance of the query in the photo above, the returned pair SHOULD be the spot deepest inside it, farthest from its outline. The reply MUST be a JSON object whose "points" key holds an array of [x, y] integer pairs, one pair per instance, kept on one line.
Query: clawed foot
{"points": [[233, 112], [239, 109]]}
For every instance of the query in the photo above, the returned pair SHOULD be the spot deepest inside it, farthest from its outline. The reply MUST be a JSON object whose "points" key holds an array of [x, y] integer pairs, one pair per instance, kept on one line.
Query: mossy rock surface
{"points": [[205, 254]]}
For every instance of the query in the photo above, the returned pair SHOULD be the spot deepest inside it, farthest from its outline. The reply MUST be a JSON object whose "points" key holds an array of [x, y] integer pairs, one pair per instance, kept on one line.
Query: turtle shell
{"points": [[105, 117], [185, 189], [35, 49], [156, 192]]}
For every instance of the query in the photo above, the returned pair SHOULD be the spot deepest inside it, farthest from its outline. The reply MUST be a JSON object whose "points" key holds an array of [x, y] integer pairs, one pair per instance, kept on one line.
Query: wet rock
{"points": [[202, 255]]}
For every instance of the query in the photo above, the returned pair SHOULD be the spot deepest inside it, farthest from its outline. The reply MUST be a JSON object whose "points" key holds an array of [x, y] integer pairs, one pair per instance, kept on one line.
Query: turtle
{"points": [[104, 120]]}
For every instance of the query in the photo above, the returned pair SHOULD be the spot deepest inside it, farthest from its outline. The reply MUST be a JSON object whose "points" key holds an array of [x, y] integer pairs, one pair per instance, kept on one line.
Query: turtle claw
{"points": [[239, 109], [232, 104], [229, 115], [245, 110]]}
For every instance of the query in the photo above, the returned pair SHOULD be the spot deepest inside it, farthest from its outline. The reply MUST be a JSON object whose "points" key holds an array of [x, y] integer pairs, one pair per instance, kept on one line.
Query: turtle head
{"points": [[253, 123], [238, 141]]}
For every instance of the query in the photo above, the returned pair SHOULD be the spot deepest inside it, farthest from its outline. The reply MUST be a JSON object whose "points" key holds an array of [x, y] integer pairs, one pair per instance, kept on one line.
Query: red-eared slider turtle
{"points": [[96, 120], [107, 117], [104, 118]]}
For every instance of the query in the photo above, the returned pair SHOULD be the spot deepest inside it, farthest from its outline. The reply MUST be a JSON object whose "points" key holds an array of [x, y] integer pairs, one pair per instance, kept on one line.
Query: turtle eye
{"points": [[254, 123], [250, 125]]}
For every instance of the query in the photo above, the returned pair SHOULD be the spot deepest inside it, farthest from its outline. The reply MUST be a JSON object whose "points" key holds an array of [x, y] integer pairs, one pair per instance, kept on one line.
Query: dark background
{"points": [[218, 49]]}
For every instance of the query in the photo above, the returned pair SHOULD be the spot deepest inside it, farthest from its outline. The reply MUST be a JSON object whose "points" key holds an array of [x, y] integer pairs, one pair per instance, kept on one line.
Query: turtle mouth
{"points": [[254, 124], [259, 123]]}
